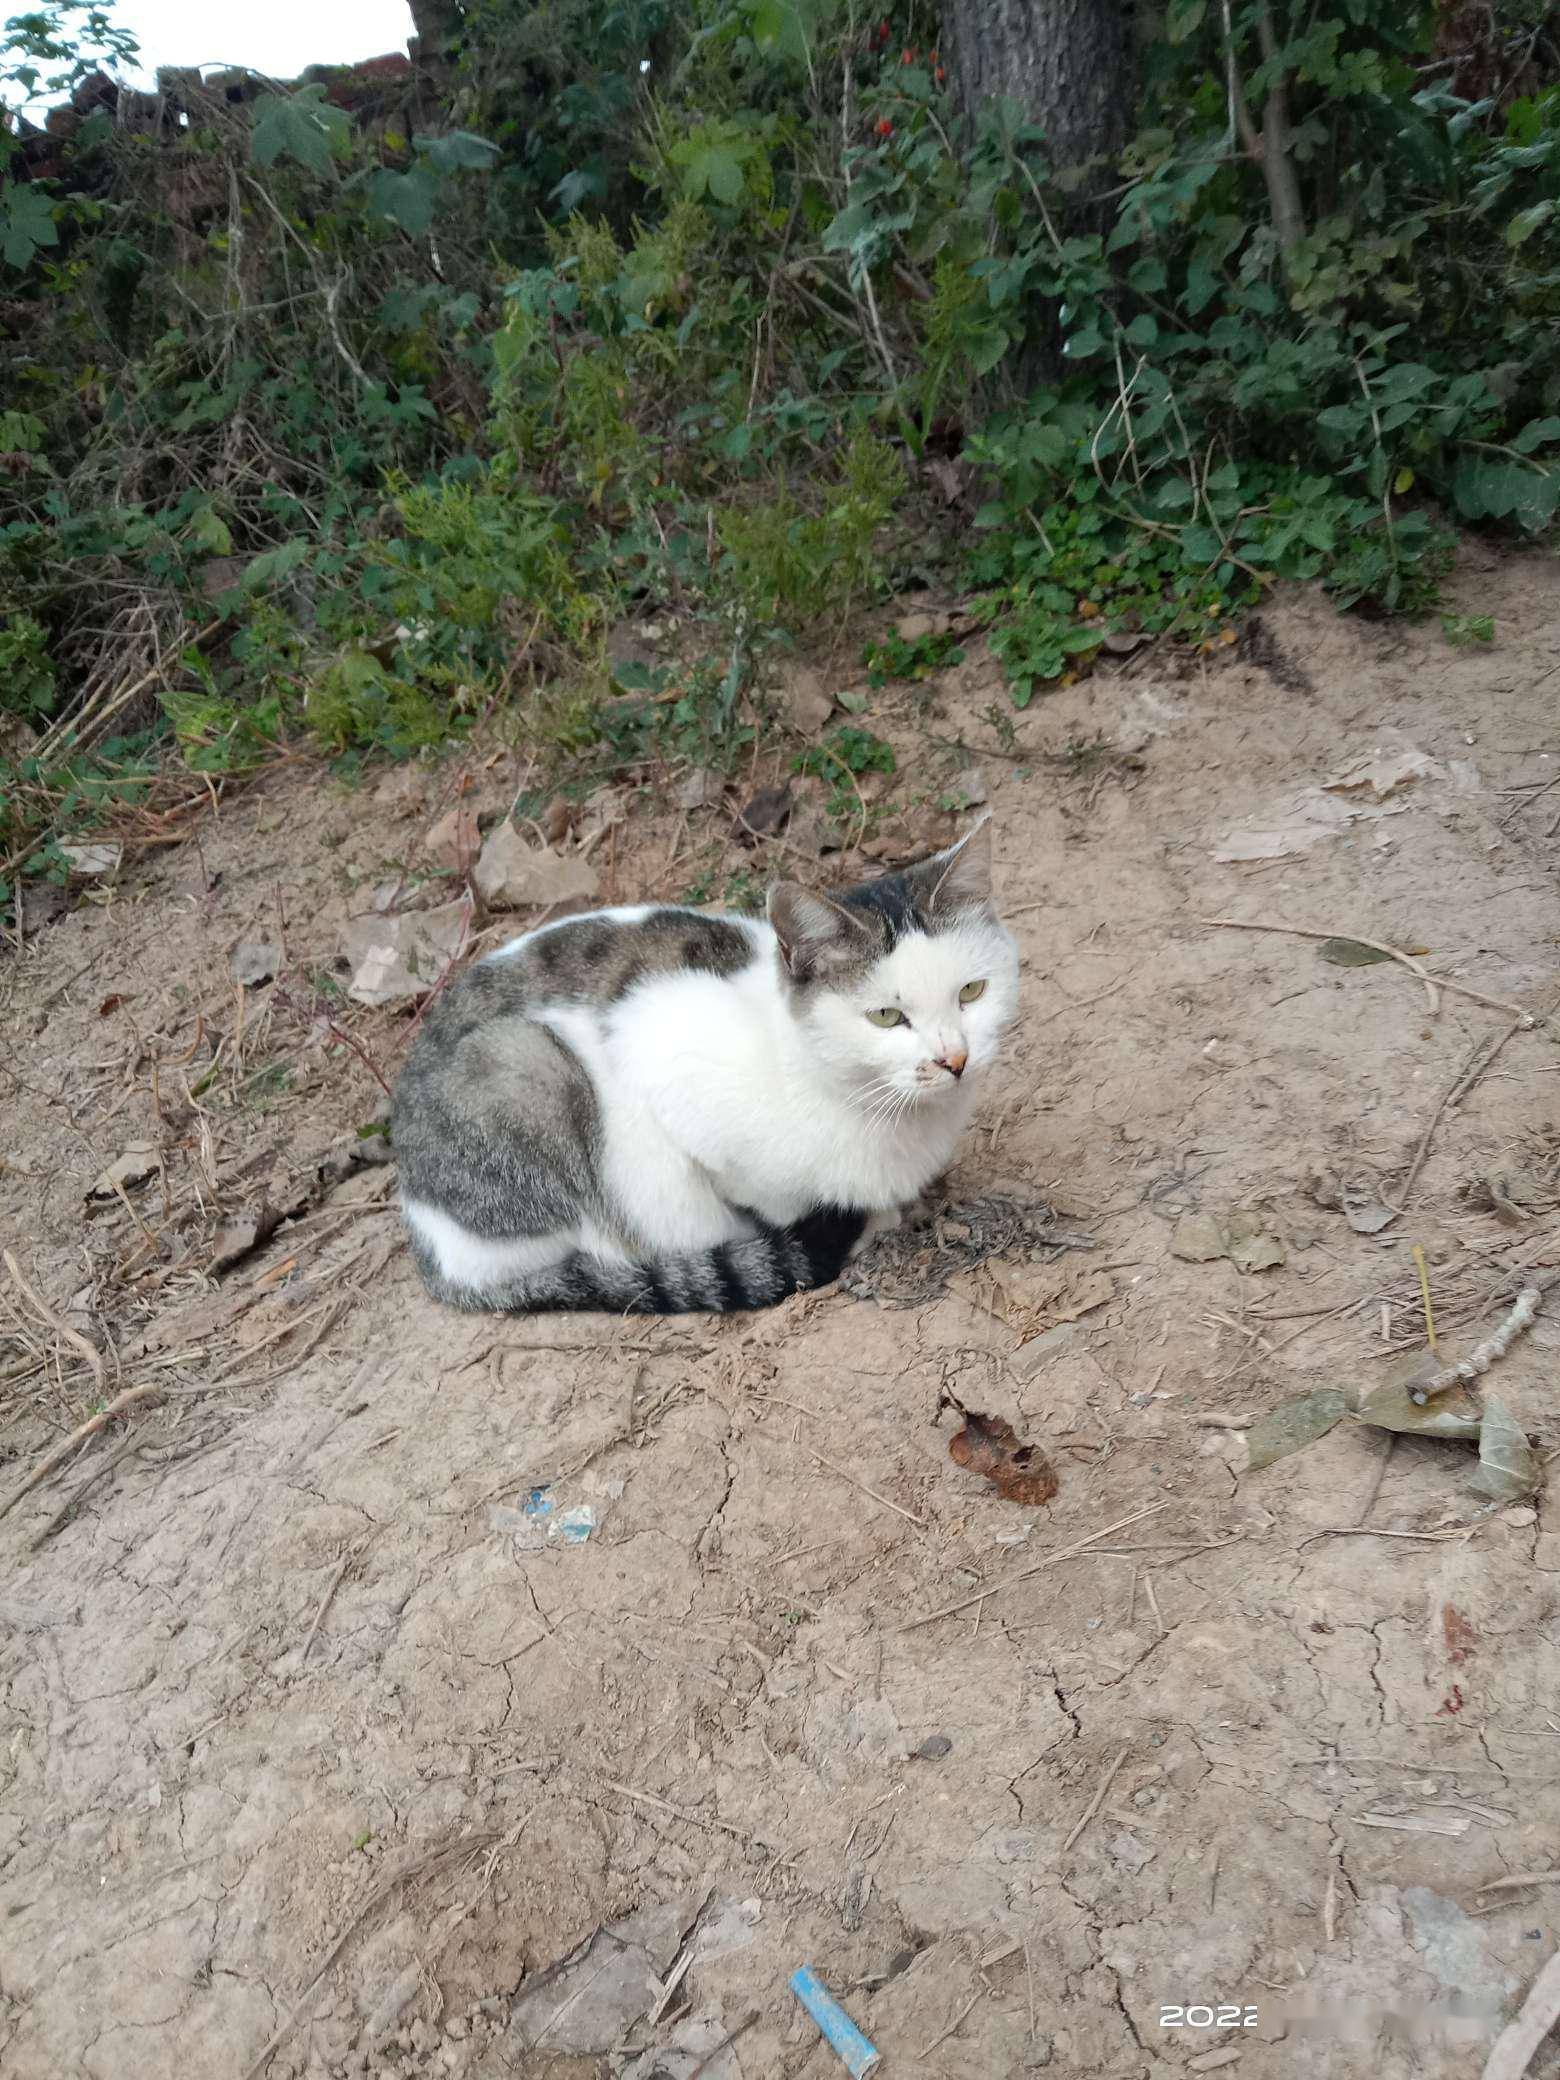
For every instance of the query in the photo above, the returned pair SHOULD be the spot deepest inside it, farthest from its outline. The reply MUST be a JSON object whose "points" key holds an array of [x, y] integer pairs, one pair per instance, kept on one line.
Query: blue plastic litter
{"points": [[538, 1503], [857, 2053], [574, 1526]]}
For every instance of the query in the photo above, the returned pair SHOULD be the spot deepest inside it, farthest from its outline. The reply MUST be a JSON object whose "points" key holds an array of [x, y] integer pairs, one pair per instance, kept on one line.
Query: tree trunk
{"points": [[1070, 64], [438, 25]]}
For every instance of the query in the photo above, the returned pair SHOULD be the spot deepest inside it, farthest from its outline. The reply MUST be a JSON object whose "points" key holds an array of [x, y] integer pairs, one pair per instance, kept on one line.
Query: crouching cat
{"points": [[654, 1111]]}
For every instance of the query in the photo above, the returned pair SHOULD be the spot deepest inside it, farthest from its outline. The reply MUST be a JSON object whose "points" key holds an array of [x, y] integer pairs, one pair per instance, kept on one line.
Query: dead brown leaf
{"points": [[990, 1446], [764, 814], [1031, 1298]]}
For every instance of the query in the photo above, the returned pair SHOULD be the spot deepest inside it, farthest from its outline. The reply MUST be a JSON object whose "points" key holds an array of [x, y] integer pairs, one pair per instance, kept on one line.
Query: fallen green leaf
{"points": [[1454, 1416], [1350, 953], [1506, 1465], [1294, 1424]]}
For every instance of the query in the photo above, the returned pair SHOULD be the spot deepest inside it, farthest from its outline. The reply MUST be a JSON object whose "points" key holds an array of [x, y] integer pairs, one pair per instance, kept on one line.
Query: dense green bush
{"points": [[318, 423]]}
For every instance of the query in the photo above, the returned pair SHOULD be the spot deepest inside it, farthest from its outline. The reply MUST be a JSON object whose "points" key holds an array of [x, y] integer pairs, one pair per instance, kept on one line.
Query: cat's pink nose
{"points": [[954, 1061]]}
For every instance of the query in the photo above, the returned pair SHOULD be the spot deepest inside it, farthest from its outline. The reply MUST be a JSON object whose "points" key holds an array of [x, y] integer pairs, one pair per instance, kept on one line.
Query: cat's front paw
{"points": [[915, 1213], [877, 1224]]}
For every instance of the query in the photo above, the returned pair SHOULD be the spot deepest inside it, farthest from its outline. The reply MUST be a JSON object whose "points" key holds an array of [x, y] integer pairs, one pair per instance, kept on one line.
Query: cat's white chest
{"points": [[714, 1065]]}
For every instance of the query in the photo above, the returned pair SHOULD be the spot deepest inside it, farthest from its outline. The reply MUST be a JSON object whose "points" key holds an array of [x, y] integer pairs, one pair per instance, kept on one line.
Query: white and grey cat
{"points": [[658, 1111]]}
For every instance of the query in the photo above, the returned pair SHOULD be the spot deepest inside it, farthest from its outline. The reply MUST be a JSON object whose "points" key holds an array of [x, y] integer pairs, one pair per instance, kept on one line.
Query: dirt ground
{"points": [[319, 1757]]}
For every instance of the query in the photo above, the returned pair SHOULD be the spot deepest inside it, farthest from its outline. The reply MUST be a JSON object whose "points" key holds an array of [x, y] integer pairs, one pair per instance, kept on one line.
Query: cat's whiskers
{"points": [[873, 1084], [871, 1098], [890, 1108]]}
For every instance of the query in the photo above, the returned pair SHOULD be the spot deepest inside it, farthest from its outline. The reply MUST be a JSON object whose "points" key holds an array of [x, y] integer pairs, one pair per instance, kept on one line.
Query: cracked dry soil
{"points": [[301, 1746]]}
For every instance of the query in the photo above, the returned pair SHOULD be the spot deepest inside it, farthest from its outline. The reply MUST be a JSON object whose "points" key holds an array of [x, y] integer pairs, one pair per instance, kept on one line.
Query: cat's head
{"points": [[906, 984]]}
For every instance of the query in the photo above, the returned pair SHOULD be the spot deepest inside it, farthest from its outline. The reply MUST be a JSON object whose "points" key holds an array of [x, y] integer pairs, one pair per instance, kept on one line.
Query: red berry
{"points": [[885, 128]]}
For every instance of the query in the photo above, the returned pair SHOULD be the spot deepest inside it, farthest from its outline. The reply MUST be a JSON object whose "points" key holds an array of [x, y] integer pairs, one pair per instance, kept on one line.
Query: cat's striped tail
{"points": [[733, 1278]]}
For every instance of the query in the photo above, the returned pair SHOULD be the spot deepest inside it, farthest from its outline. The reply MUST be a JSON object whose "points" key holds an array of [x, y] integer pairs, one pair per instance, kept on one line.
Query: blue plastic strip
{"points": [[857, 2053]]}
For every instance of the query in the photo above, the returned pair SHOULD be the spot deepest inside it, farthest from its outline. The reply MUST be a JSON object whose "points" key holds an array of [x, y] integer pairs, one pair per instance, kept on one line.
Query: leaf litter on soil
{"points": [[914, 1264]]}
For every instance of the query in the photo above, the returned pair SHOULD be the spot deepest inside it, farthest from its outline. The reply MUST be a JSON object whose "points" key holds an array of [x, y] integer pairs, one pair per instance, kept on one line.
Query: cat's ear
{"points": [[960, 878], [814, 933]]}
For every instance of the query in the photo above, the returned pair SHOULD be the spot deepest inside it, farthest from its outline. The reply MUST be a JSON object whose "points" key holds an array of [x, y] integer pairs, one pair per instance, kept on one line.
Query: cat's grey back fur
{"points": [[496, 1122]]}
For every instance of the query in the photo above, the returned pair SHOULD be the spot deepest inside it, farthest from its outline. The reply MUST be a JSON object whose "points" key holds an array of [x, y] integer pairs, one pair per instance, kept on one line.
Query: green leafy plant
{"points": [[840, 761], [915, 658], [338, 415], [1464, 630]]}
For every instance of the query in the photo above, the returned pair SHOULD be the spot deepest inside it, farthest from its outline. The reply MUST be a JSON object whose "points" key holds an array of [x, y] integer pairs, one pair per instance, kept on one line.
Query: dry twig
{"points": [[1494, 1346], [949, 1610], [61, 1452], [1518, 2042], [898, 1508], [61, 1328], [1432, 983], [1096, 1801]]}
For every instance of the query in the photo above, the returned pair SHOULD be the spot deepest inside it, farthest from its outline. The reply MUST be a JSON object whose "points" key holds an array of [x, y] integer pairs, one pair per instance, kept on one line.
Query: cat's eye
{"points": [[971, 991], [889, 1015]]}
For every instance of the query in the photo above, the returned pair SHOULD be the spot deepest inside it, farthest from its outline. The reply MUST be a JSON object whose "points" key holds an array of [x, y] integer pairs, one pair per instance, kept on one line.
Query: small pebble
{"points": [[1039, 2053], [935, 1747]]}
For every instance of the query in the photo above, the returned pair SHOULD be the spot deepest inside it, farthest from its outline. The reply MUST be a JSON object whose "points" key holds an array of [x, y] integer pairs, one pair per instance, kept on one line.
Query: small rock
{"points": [[254, 961], [454, 841], [92, 862], [700, 789], [914, 628], [935, 1747], [969, 788], [515, 875], [803, 700], [1521, 1516], [1041, 2051]]}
